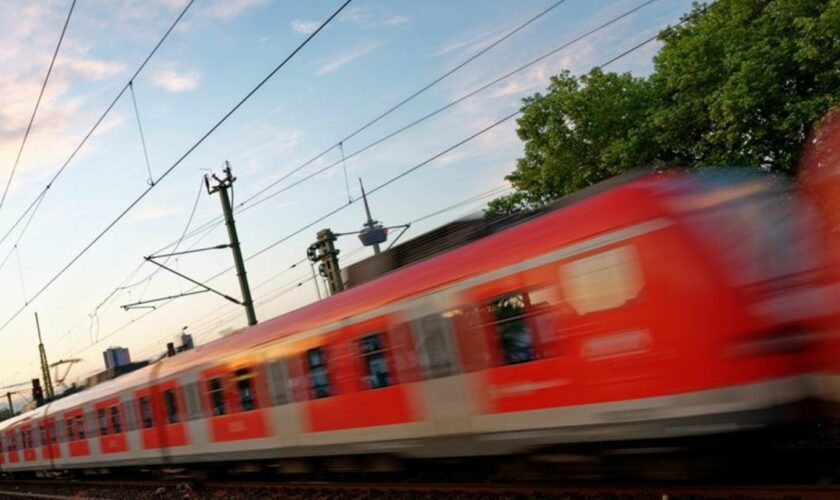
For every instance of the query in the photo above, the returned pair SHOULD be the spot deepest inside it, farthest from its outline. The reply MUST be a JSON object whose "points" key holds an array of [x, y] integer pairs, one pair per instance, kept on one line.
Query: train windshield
{"points": [[758, 226]]}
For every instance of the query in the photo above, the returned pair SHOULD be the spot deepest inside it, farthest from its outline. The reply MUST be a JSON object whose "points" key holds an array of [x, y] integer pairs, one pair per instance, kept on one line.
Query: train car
{"points": [[819, 178], [652, 309]]}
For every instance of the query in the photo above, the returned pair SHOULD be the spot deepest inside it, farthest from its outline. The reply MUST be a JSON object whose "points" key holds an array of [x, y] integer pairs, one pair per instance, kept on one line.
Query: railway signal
{"points": [[324, 253]]}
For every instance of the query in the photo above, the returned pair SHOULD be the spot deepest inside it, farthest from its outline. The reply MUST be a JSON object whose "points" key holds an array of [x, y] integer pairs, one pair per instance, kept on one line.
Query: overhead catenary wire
{"points": [[381, 186], [150, 180], [96, 124], [20, 275], [37, 104], [219, 220], [177, 162], [412, 96], [246, 204], [20, 236], [127, 284], [206, 227], [325, 216]]}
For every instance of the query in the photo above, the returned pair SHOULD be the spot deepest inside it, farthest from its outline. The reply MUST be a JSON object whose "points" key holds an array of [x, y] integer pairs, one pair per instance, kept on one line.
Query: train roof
{"points": [[502, 248]]}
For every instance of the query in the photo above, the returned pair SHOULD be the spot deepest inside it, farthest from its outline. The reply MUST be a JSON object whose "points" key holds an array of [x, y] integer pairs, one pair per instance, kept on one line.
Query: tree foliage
{"points": [[739, 82]]}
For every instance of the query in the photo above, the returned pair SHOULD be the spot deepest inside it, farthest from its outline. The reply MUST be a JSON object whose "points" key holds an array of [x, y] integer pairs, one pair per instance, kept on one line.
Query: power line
{"points": [[96, 125], [410, 97], [37, 104], [441, 109], [175, 164], [319, 219], [242, 206], [377, 188], [418, 166], [218, 220], [142, 135]]}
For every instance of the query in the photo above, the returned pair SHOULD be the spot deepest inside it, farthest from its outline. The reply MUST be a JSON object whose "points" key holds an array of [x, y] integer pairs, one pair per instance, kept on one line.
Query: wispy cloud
{"points": [[27, 41], [176, 81], [342, 59], [226, 9], [152, 212], [369, 18], [470, 42], [304, 27], [395, 20]]}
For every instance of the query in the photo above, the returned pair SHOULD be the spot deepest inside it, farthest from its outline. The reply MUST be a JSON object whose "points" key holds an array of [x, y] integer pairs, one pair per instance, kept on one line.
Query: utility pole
{"points": [[221, 187], [11, 408], [45, 366]]}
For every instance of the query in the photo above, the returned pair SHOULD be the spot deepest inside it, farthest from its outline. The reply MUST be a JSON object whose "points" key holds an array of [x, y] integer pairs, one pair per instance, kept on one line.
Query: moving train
{"points": [[668, 305]]}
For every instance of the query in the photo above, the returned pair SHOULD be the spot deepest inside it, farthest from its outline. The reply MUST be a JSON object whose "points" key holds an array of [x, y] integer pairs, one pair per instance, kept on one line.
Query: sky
{"points": [[371, 57]]}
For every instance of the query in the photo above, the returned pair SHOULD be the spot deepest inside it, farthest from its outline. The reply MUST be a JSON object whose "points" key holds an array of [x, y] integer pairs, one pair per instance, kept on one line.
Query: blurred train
{"points": [[669, 305]]}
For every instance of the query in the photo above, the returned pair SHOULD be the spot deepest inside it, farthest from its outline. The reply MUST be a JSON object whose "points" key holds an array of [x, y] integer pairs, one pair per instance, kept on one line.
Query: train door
{"points": [[434, 337]]}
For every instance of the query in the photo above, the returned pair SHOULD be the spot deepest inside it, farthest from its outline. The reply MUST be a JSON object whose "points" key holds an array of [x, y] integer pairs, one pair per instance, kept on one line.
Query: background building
{"points": [[116, 357]]}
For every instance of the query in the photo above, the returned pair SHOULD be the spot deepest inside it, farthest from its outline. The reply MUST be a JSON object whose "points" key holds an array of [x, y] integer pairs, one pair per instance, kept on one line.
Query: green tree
{"points": [[4, 414], [739, 82]]}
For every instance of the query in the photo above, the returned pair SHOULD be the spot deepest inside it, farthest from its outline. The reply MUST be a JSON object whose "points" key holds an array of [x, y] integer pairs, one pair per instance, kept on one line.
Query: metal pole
{"points": [[45, 366], [315, 279], [247, 301], [11, 408]]}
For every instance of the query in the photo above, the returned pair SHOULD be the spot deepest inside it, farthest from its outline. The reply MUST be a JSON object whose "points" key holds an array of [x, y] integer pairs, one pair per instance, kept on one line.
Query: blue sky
{"points": [[375, 54]]}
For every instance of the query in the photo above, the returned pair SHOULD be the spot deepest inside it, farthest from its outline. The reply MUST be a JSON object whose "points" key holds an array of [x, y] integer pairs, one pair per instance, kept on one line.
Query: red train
{"points": [[669, 305]]}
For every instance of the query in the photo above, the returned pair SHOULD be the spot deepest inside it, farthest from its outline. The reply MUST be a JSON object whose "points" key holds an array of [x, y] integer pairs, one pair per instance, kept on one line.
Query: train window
{"points": [[171, 406], [127, 412], [69, 430], [375, 362], [278, 380], [217, 396], [42, 434], [116, 423], [509, 316], [80, 426], [603, 281], [244, 384], [145, 406], [433, 340], [103, 422], [318, 372], [193, 404], [53, 433]]}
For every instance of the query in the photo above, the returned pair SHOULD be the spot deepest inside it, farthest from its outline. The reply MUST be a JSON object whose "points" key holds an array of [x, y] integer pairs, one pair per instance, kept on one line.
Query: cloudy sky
{"points": [[374, 55]]}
